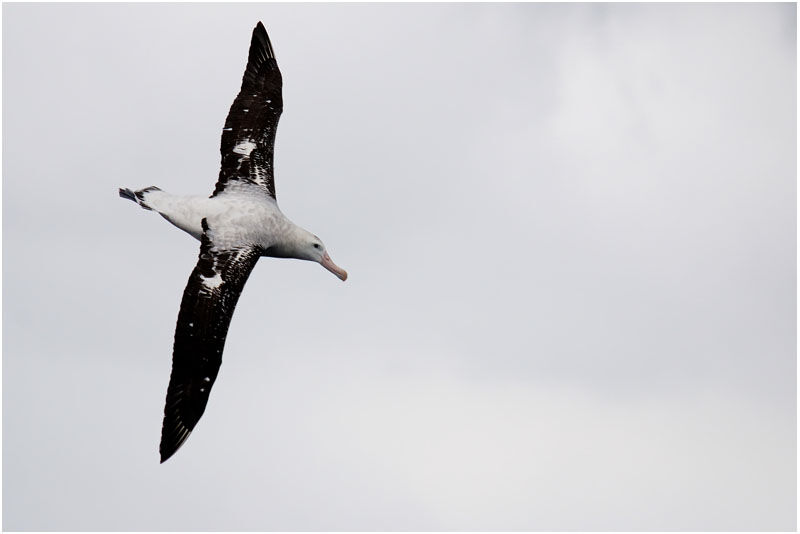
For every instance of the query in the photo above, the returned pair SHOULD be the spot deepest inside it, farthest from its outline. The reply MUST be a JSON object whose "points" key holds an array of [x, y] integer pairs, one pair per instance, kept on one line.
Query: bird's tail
{"points": [[138, 196]]}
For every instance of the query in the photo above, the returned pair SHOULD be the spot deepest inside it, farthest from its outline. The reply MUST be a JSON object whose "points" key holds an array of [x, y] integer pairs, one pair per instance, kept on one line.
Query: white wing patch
{"points": [[213, 282], [244, 148]]}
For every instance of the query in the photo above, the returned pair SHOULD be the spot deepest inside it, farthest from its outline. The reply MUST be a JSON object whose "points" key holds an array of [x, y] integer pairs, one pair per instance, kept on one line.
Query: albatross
{"points": [[239, 223]]}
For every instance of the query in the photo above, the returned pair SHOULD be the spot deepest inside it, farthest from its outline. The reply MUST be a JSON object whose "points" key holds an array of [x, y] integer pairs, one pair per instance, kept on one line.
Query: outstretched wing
{"points": [[248, 139], [206, 310]]}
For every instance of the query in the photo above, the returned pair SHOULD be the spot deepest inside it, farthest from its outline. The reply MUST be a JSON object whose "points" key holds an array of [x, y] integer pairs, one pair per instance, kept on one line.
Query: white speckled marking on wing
{"points": [[213, 282], [244, 147]]}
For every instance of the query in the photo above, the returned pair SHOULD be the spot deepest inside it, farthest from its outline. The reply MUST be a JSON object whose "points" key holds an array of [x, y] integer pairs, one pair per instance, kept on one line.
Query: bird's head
{"points": [[312, 249]]}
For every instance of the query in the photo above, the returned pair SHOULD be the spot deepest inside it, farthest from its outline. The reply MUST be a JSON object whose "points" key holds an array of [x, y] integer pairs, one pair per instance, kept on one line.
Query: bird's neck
{"points": [[290, 244]]}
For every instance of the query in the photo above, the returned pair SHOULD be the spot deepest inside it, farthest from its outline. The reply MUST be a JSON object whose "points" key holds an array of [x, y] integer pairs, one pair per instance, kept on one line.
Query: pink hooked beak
{"points": [[327, 262]]}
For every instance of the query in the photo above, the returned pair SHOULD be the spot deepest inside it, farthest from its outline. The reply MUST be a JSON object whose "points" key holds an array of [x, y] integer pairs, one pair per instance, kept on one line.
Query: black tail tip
{"points": [[127, 193]]}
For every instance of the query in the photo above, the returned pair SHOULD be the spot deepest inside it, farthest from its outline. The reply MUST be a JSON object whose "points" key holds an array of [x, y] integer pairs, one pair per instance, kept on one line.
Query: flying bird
{"points": [[239, 223]]}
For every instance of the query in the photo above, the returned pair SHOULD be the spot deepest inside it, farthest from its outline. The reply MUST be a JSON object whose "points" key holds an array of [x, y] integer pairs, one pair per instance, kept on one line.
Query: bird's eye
{"points": [[317, 246]]}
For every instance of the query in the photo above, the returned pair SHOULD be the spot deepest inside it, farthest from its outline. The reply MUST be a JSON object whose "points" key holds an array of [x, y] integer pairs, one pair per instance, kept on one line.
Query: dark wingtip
{"points": [[261, 39], [261, 66], [171, 441], [165, 451], [260, 30], [167, 454]]}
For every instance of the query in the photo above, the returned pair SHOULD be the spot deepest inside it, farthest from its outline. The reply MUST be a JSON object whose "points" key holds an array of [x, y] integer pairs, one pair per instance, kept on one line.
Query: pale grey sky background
{"points": [[570, 233]]}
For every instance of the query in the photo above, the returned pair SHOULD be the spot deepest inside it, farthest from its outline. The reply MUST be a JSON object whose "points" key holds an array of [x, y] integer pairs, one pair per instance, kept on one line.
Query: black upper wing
{"points": [[248, 139], [206, 310]]}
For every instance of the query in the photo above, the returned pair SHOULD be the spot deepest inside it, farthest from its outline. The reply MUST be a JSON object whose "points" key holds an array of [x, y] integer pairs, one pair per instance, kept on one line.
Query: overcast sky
{"points": [[570, 232]]}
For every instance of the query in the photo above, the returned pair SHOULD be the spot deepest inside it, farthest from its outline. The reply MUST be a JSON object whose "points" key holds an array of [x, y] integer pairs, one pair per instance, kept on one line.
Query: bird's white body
{"points": [[240, 216]]}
